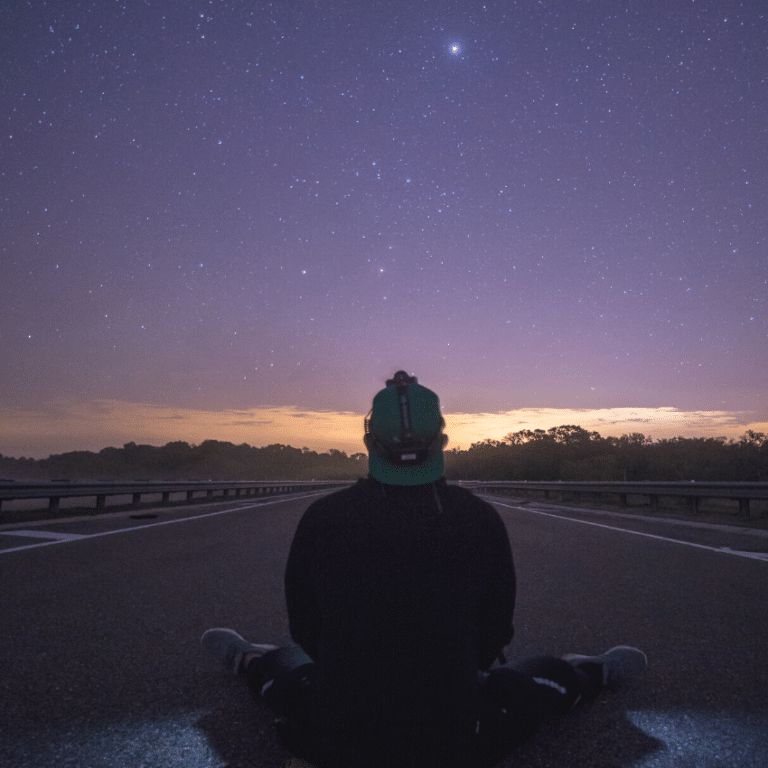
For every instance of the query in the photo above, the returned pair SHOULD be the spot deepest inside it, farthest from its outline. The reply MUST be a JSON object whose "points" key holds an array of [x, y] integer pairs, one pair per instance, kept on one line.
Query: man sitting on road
{"points": [[400, 593]]}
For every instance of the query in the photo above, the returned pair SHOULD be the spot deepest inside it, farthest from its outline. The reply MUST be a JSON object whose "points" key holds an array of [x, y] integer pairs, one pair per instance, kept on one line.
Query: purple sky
{"points": [[223, 206]]}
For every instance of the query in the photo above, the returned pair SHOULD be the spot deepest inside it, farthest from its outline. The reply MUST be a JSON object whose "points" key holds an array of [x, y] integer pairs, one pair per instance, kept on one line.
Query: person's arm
{"points": [[497, 610], [303, 610]]}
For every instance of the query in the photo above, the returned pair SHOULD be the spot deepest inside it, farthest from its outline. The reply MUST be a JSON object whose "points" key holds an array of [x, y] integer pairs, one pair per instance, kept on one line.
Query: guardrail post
{"points": [[101, 501], [744, 508], [190, 495], [693, 504], [136, 500], [53, 504], [654, 502], [623, 499], [166, 497]]}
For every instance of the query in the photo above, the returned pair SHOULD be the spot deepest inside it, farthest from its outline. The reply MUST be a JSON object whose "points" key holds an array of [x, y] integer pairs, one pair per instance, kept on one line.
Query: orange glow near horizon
{"points": [[70, 426]]}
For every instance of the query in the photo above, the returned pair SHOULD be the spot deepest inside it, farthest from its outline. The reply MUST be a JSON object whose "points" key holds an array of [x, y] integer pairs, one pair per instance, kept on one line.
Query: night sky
{"points": [[235, 220]]}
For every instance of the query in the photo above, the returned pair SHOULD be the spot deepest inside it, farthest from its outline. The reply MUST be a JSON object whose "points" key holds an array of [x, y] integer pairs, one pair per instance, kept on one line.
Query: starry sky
{"points": [[234, 220]]}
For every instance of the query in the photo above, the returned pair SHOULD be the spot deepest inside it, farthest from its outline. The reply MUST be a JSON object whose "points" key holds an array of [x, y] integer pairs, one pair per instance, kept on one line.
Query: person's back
{"points": [[400, 594]]}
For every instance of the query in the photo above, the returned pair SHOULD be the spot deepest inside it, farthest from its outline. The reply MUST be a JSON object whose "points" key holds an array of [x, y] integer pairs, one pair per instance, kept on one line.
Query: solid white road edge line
{"points": [[722, 550], [46, 535], [73, 537]]}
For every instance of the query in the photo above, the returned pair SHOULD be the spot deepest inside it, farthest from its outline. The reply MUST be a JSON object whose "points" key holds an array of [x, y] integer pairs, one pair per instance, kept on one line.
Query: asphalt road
{"points": [[101, 663]]}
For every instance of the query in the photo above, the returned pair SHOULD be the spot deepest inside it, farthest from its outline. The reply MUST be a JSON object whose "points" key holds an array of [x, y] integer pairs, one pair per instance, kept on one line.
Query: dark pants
{"points": [[515, 698]]}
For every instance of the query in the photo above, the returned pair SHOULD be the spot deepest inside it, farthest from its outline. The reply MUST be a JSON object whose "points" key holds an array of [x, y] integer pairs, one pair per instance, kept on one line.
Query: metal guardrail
{"points": [[55, 491], [693, 491]]}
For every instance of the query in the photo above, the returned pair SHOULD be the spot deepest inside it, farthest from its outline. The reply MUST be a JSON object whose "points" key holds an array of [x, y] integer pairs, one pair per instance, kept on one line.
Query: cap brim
{"points": [[429, 471]]}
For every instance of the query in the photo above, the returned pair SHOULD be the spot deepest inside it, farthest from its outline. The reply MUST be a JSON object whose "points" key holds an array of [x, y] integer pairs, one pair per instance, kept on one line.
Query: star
{"points": [[455, 48]]}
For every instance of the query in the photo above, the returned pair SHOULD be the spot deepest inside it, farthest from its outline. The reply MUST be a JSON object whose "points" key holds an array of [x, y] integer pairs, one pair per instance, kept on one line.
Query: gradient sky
{"points": [[235, 220]]}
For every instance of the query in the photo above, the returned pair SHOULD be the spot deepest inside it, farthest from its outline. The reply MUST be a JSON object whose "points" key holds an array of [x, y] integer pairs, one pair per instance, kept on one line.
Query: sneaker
{"points": [[230, 648], [620, 664]]}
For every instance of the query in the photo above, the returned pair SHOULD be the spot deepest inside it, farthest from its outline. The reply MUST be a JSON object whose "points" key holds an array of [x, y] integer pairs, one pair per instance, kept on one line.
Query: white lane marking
{"points": [[640, 517], [162, 522], [722, 550], [46, 535]]}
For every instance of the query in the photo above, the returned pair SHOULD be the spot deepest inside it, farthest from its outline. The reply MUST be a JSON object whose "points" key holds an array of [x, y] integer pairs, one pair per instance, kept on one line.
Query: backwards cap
{"points": [[403, 433]]}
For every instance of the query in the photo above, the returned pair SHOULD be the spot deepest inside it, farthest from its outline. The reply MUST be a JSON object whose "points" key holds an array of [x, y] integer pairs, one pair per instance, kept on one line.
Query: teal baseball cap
{"points": [[404, 433]]}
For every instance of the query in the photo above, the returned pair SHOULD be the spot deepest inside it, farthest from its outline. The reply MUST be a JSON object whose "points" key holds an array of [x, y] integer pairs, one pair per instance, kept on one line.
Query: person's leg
{"points": [[519, 695], [282, 677]]}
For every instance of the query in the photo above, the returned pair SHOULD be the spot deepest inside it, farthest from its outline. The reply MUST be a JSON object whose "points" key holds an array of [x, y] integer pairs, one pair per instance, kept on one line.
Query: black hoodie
{"points": [[400, 595]]}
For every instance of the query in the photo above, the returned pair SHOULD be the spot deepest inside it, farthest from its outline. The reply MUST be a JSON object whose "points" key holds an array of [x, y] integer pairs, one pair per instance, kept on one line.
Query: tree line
{"points": [[572, 453], [567, 452], [211, 460]]}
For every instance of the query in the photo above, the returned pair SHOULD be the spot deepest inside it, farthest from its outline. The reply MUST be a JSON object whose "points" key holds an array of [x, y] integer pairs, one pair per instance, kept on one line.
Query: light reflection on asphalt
{"points": [[703, 740]]}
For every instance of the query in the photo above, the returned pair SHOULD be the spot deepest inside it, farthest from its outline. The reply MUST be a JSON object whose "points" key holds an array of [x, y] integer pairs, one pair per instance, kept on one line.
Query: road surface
{"points": [[101, 620]]}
